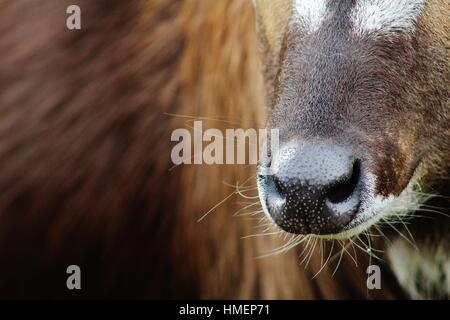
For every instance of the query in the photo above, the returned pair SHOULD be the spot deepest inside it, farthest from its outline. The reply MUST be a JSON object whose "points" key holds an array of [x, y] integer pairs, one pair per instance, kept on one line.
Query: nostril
{"points": [[277, 185], [274, 192], [344, 189]]}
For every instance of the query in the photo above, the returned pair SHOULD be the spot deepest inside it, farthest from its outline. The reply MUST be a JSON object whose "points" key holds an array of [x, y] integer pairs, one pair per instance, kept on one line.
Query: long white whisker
{"points": [[339, 261], [216, 206], [326, 261]]}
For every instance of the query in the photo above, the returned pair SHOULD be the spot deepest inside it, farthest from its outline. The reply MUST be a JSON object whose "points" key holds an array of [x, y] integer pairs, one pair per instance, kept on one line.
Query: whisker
{"points": [[435, 211], [252, 213], [260, 235], [239, 192], [345, 249], [354, 251], [312, 251], [382, 233], [305, 249], [326, 261], [366, 250], [216, 206], [295, 241], [246, 207], [339, 261], [402, 235]]}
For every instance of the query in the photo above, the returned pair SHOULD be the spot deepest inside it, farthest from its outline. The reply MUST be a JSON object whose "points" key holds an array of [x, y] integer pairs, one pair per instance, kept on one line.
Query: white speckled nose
{"points": [[312, 188]]}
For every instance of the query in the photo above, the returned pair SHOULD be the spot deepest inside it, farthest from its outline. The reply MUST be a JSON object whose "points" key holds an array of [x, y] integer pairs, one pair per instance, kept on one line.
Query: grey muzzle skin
{"points": [[311, 188]]}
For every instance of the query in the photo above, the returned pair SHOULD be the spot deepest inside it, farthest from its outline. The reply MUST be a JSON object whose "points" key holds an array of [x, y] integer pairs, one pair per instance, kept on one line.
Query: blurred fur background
{"points": [[85, 170]]}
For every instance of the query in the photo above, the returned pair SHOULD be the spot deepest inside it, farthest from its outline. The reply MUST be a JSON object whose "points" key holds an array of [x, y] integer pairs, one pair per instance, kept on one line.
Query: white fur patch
{"points": [[309, 14], [385, 16], [432, 264]]}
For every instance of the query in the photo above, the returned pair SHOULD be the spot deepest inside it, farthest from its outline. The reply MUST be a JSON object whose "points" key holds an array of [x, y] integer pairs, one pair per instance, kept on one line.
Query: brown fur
{"points": [[85, 156]]}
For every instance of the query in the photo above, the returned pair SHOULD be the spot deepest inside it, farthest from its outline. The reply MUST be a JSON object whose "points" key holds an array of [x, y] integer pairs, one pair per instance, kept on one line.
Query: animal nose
{"points": [[312, 188]]}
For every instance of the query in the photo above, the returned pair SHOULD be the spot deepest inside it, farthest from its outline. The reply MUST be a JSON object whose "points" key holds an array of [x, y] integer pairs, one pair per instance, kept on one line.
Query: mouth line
{"points": [[356, 230]]}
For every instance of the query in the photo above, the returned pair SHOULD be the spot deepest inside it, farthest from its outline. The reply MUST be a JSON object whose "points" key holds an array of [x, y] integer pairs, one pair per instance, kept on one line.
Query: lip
{"points": [[358, 229]]}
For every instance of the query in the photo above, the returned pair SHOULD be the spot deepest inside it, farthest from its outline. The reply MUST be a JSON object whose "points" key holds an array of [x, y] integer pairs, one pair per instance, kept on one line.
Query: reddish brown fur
{"points": [[84, 152]]}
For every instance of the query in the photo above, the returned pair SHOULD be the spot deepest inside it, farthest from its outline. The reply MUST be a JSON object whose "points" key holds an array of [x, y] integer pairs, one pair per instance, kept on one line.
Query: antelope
{"points": [[358, 90]]}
